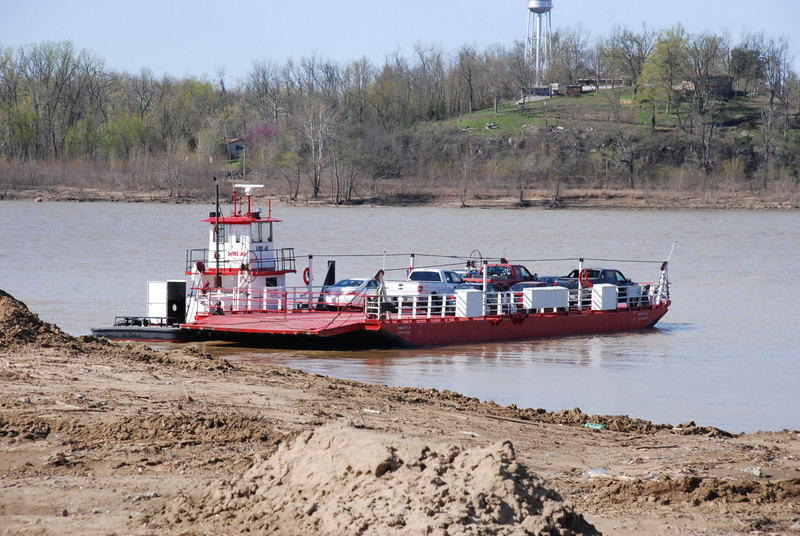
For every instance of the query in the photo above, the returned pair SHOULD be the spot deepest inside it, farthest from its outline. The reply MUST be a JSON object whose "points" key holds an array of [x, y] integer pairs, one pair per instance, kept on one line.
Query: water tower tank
{"points": [[540, 6]]}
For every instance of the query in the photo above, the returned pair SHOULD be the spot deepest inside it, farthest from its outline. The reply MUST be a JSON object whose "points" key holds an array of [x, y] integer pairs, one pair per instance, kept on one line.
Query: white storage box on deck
{"points": [[469, 303], [167, 300], [604, 297], [157, 299], [545, 298]]}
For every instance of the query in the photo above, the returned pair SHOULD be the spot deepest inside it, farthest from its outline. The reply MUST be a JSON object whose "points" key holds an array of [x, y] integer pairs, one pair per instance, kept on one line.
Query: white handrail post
{"points": [[580, 286], [310, 282], [485, 285]]}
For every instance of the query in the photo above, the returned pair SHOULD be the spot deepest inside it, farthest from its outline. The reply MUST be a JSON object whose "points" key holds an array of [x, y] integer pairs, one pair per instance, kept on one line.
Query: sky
{"points": [[201, 38]]}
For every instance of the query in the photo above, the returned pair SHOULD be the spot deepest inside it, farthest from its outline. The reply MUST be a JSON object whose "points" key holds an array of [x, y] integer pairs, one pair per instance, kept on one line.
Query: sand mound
{"points": [[20, 327], [341, 480]]}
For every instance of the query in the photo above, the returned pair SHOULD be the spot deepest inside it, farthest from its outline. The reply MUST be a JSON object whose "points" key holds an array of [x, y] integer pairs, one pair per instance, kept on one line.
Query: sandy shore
{"points": [[99, 438]]}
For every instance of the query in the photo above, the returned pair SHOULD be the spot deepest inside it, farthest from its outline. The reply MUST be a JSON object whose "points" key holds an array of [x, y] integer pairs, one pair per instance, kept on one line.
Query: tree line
{"points": [[360, 130]]}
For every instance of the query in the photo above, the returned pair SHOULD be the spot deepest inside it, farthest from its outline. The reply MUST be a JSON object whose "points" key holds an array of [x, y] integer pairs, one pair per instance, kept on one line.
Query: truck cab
{"points": [[503, 275]]}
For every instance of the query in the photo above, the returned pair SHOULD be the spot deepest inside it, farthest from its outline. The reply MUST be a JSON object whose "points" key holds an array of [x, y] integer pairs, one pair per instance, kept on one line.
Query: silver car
{"points": [[350, 293]]}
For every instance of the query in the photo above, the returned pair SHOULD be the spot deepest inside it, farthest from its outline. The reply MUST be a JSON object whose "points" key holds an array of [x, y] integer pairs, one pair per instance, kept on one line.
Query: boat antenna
{"points": [[671, 250], [217, 276]]}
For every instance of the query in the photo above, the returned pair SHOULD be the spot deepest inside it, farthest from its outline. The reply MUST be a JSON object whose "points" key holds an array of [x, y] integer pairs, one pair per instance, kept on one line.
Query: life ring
{"points": [[306, 272], [583, 278], [201, 267]]}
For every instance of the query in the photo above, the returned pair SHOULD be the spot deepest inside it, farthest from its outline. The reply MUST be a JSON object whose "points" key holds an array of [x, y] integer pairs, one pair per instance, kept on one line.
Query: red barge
{"points": [[236, 290]]}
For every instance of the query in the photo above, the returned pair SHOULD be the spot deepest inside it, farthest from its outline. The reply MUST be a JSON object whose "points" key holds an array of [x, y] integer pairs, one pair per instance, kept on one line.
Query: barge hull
{"points": [[325, 330], [430, 332], [145, 334]]}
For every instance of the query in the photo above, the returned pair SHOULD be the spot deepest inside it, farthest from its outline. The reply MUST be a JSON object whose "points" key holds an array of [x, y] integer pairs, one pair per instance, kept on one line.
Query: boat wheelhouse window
{"points": [[262, 232], [220, 233]]}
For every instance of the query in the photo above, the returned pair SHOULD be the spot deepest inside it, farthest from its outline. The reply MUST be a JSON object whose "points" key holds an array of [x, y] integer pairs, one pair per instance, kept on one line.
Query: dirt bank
{"points": [[568, 199], [99, 438]]}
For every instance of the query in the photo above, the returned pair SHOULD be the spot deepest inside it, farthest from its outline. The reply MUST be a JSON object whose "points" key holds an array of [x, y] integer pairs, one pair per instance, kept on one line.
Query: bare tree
{"points": [[629, 52], [518, 68], [317, 125], [746, 64], [467, 67], [495, 65], [427, 78], [776, 72], [357, 79], [570, 52], [264, 91], [706, 57]]}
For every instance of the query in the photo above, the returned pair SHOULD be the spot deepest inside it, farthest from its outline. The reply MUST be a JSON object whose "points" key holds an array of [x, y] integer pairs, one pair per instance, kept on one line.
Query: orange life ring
{"points": [[201, 267], [305, 276], [583, 278]]}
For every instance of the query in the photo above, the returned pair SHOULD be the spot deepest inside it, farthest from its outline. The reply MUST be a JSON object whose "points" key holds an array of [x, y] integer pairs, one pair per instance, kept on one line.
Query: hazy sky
{"points": [[197, 37]]}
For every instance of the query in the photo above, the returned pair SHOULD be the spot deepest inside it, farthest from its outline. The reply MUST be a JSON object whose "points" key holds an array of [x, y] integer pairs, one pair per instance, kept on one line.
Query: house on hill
{"points": [[718, 84], [234, 147]]}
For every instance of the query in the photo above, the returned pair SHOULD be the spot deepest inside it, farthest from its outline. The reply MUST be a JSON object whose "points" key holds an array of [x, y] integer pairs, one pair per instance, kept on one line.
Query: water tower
{"points": [[537, 42]]}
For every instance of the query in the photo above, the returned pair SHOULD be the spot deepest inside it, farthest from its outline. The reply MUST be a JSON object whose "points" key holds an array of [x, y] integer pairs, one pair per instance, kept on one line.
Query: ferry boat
{"points": [[236, 289]]}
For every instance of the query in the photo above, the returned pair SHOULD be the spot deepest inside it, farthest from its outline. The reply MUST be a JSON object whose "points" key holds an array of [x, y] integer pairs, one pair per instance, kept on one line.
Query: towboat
{"points": [[236, 289]]}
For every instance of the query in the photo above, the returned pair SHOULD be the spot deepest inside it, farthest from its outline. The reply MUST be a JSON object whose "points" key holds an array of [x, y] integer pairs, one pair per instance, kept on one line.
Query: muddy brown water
{"points": [[726, 355]]}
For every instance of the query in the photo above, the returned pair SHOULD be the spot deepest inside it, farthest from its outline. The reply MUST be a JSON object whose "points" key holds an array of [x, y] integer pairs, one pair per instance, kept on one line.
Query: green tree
{"points": [[663, 73]]}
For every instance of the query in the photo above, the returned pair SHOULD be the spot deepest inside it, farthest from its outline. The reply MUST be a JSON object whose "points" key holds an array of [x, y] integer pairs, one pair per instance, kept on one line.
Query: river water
{"points": [[726, 355]]}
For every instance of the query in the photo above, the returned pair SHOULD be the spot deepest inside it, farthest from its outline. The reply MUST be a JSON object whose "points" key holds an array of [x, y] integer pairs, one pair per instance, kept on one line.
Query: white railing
{"points": [[211, 301], [214, 301]]}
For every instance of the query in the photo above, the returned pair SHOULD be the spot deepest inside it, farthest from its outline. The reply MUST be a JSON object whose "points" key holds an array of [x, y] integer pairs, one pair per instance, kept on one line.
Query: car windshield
{"points": [[349, 283], [424, 276], [499, 271], [593, 274]]}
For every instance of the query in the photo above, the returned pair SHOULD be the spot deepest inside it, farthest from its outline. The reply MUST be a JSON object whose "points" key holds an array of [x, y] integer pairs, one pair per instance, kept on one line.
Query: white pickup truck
{"points": [[423, 282]]}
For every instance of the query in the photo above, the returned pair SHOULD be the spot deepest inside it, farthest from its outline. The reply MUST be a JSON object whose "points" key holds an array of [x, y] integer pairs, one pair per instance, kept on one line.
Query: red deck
{"points": [[321, 326], [315, 323]]}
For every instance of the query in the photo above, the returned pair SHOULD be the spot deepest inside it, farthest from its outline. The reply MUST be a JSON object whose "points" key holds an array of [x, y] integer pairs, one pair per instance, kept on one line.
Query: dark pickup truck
{"points": [[594, 276], [503, 275]]}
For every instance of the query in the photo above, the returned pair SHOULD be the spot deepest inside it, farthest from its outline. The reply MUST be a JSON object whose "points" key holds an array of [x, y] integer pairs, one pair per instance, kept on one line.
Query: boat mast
{"points": [[217, 276]]}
